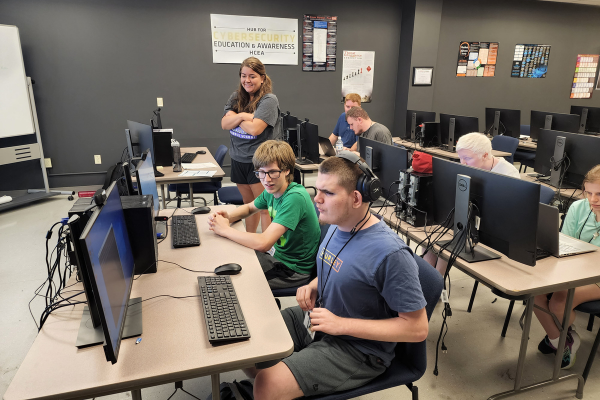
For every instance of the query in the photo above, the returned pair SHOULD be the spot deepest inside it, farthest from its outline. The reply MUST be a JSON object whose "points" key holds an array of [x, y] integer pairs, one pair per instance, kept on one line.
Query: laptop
{"points": [[557, 243], [325, 147]]}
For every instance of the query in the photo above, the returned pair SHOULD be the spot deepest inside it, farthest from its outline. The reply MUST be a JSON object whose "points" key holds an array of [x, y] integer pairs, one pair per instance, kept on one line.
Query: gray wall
{"points": [[570, 29], [97, 63]]}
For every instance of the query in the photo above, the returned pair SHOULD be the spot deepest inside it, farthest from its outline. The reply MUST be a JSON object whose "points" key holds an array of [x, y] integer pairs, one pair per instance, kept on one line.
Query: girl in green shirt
{"points": [[582, 222]]}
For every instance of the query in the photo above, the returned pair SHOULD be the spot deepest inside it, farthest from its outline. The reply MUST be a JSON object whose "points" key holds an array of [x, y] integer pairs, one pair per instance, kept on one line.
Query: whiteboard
{"points": [[15, 110]]}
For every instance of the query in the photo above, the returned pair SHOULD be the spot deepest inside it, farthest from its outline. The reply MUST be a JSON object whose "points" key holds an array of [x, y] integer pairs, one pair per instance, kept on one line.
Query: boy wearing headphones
{"points": [[366, 297], [286, 249], [582, 222]]}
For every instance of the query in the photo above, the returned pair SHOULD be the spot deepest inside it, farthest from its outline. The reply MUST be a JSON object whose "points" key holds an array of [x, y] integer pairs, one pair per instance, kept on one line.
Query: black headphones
{"points": [[368, 184]]}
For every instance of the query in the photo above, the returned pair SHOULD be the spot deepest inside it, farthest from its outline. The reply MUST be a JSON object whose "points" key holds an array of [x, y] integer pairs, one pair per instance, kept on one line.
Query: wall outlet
{"points": [[97, 159], [159, 101], [48, 162]]}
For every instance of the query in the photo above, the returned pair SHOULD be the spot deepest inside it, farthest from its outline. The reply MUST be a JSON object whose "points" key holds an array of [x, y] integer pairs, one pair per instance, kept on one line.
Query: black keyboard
{"points": [[185, 231], [188, 157], [222, 313]]}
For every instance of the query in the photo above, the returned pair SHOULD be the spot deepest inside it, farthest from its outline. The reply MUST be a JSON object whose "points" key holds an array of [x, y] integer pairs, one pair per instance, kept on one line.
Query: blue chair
{"points": [[507, 144], [524, 157], [410, 362], [592, 308], [204, 187], [230, 195], [546, 194]]}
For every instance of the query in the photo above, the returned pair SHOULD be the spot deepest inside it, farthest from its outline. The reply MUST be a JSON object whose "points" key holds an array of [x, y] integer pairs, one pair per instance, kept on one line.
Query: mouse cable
{"points": [[170, 262], [165, 295]]}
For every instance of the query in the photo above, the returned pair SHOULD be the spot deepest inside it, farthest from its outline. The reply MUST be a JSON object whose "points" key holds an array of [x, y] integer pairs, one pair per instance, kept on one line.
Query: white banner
{"points": [[357, 74], [271, 40]]}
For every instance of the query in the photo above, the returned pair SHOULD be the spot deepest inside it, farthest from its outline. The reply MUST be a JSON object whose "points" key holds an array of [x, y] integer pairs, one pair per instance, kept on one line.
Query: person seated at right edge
{"points": [[359, 121], [582, 222], [342, 128], [366, 297], [286, 250], [475, 150]]}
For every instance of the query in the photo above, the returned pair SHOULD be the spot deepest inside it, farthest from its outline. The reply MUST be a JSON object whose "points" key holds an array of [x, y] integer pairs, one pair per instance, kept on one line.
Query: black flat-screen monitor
{"points": [[552, 121], [146, 180], [583, 152], [414, 119], [107, 252], [591, 122], [499, 121], [386, 161], [508, 207], [308, 147], [462, 126], [140, 138]]}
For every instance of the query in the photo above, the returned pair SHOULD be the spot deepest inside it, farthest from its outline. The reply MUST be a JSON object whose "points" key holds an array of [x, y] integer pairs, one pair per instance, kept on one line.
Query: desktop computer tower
{"points": [[403, 185], [141, 228], [419, 207]]}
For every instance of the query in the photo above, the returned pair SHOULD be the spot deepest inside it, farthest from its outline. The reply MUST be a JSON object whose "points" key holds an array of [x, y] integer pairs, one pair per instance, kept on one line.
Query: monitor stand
{"points": [[90, 336], [461, 221], [559, 153], [451, 126]]}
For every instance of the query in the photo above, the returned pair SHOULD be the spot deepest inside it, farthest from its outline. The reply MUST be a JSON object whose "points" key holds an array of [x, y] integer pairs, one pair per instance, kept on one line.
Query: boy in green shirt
{"points": [[287, 248]]}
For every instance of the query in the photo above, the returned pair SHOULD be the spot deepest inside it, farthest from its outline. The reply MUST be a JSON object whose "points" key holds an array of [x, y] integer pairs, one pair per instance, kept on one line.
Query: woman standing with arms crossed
{"points": [[251, 116]]}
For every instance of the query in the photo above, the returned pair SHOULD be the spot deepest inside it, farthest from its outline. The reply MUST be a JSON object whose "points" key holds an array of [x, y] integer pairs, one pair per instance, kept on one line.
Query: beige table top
{"points": [[575, 194], [309, 167], [173, 177], [174, 346], [439, 152], [527, 145], [513, 278]]}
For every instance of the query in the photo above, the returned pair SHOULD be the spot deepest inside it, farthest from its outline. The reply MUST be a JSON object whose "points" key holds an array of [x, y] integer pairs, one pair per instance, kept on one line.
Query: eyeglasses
{"points": [[272, 174]]}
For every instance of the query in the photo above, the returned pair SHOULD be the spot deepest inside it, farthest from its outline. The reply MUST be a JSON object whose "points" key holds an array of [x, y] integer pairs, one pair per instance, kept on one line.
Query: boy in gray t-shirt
{"points": [[362, 125]]}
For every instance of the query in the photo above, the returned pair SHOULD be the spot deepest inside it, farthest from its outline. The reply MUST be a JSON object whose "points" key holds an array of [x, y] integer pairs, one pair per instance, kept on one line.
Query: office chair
{"points": [[410, 362], [546, 196], [203, 187], [507, 144], [230, 195], [525, 158], [592, 308]]}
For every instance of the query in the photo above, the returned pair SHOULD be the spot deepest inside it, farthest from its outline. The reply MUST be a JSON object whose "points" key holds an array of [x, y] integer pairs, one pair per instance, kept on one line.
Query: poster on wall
{"points": [[477, 59], [319, 42], [357, 74], [530, 61], [271, 40], [585, 76]]}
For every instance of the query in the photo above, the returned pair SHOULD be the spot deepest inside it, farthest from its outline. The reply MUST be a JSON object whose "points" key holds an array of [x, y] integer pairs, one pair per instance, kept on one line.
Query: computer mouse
{"points": [[228, 269], [201, 210], [201, 152]]}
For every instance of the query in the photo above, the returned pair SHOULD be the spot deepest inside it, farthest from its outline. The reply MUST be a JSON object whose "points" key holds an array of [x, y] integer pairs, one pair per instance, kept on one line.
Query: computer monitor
{"points": [[290, 126], [552, 121], [414, 119], [140, 138], [308, 143], [582, 151], [589, 119], [107, 253], [146, 181], [385, 160], [452, 127], [507, 207], [499, 121]]}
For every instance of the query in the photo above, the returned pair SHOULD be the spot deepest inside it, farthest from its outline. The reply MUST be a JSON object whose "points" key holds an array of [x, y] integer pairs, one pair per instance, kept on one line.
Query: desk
{"points": [[308, 169], [528, 145], [513, 279], [174, 346], [448, 155], [568, 193], [173, 177]]}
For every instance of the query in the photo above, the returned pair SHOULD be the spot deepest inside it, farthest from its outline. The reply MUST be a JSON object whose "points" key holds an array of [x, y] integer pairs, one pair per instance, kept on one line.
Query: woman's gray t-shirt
{"points": [[243, 145]]}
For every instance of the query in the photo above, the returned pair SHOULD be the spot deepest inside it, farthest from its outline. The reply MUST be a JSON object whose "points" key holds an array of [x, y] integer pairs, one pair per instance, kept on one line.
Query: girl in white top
{"points": [[475, 150]]}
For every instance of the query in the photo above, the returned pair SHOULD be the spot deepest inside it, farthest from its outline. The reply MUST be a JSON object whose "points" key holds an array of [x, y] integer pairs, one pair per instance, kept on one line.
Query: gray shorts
{"points": [[327, 364], [278, 274]]}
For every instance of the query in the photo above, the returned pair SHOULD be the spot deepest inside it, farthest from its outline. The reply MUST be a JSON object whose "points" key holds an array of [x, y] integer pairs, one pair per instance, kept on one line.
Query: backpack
{"points": [[115, 173]]}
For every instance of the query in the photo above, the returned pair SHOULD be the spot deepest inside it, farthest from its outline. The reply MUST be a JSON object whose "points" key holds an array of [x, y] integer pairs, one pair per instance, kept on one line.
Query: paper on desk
{"points": [[197, 173], [198, 165]]}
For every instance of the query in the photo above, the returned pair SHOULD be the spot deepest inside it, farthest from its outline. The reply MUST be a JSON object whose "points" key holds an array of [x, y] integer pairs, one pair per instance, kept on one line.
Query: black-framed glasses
{"points": [[274, 174]]}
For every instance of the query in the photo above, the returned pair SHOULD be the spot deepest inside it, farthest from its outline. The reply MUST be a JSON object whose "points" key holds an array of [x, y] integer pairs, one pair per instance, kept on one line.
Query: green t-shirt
{"points": [[298, 246], [580, 224]]}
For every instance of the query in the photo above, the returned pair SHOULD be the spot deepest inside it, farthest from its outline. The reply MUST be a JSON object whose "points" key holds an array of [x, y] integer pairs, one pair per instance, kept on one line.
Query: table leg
{"points": [[136, 394], [162, 193], [216, 382], [563, 333], [192, 194], [524, 341]]}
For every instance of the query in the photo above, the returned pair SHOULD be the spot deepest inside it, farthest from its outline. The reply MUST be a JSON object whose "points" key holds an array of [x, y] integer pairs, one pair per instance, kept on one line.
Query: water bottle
{"points": [[176, 155], [339, 145]]}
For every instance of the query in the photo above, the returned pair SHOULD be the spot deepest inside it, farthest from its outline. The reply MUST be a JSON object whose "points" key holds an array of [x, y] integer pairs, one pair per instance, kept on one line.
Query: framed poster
{"points": [[357, 74], [422, 76], [319, 42], [477, 59], [530, 61], [585, 76]]}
